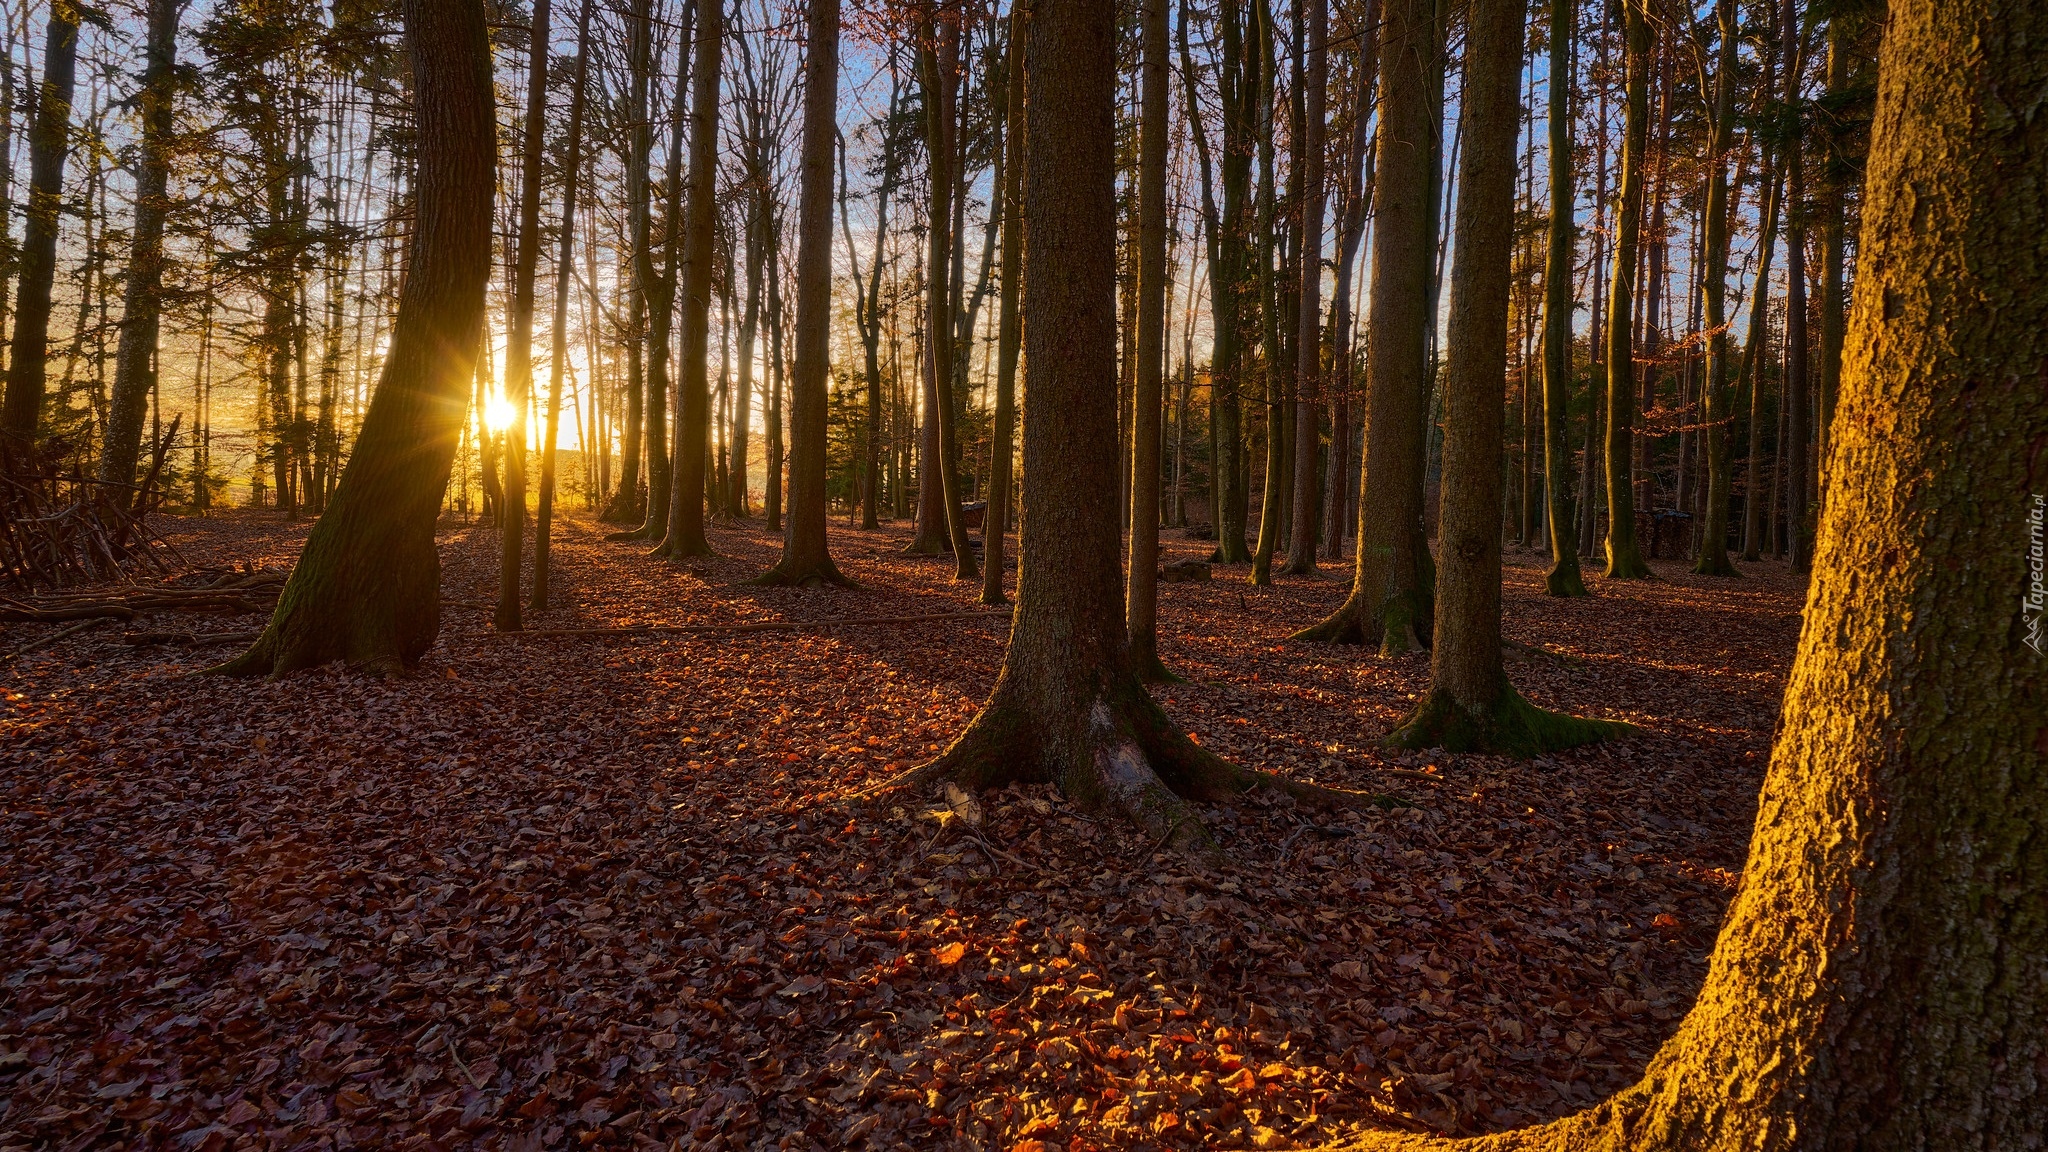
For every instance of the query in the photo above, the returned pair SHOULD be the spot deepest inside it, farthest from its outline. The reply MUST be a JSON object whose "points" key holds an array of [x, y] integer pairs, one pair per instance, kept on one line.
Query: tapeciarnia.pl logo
{"points": [[2034, 607]]}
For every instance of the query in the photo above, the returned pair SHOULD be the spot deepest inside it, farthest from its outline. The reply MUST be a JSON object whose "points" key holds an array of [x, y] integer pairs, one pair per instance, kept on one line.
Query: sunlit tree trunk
{"points": [[1562, 520], [367, 585], [1624, 560]]}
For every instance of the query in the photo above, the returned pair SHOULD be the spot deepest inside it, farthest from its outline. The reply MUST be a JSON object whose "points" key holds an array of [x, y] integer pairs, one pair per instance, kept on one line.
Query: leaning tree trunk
{"points": [[805, 557], [1142, 603], [1881, 978], [1624, 559], [1389, 603], [1563, 578], [49, 143], [1068, 706], [1470, 706], [1009, 328], [1308, 342], [693, 423], [367, 586], [135, 360], [519, 340]]}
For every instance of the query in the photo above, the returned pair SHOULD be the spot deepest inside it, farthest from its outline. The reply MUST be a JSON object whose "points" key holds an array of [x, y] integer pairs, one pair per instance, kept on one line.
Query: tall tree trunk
{"points": [[1797, 401], [134, 364], [1714, 390], [1563, 578], [938, 64], [1357, 199], [1624, 560], [519, 338], [1389, 605], [1470, 706], [685, 536], [367, 585], [1142, 601], [1755, 344], [1308, 350], [49, 144], [1879, 977], [1274, 372], [1009, 326], [1833, 229], [565, 261], [771, 496], [646, 296], [805, 558]]}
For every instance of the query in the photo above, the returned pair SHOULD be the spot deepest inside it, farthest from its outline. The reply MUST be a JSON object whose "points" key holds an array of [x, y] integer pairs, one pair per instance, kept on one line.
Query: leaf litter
{"points": [[608, 891]]}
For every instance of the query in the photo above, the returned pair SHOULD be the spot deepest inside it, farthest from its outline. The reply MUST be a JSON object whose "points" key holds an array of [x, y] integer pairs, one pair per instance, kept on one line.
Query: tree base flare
{"points": [[811, 574], [1565, 581], [1513, 727], [1712, 563]]}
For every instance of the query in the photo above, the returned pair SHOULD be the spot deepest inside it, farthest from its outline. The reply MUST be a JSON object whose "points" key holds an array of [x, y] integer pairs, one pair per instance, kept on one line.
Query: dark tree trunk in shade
{"points": [[1308, 351], [1009, 327], [519, 337], [367, 586], [1880, 979], [1714, 391], [49, 144], [805, 558], [1469, 705], [685, 536], [572, 162], [1624, 560], [1142, 603], [1389, 604], [1357, 205], [1797, 400], [135, 360]]}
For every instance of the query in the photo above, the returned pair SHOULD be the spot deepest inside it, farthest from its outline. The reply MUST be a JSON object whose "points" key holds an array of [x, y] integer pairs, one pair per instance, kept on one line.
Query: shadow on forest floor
{"points": [[601, 888]]}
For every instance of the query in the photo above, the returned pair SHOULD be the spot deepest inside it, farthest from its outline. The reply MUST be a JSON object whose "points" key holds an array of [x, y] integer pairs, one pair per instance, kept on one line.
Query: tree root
{"points": [[817, 574], [1513, 727]]}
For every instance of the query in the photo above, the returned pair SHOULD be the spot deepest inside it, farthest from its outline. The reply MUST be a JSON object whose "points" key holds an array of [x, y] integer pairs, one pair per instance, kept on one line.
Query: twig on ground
{"points": [[53, 637]]}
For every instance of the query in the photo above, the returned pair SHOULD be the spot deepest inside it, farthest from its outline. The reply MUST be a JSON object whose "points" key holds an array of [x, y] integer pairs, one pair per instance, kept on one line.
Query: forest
{"points": [[1023, 575]]}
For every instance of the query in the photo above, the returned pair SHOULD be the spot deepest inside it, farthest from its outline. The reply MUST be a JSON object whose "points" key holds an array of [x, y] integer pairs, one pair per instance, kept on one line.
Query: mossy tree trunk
{"points": [[1389, 605], [367, 586], [685, 536], [1624, 559], [1560, 518], [1470, 706], [1881, 977], [806, 559]]}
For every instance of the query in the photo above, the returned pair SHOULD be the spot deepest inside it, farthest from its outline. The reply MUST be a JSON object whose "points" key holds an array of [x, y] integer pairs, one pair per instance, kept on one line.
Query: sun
{"points": [[498, 411]]}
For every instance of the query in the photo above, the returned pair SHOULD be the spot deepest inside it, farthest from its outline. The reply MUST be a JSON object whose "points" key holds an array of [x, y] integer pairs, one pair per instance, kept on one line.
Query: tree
{"points": [[1713, 539], [1563, 578], [1878, 981], [519, 337], [49, 143], [1357, 201], [1624, 560], [805, 557], [565, 262], [1308, 339], [1009, 329], [134, 363], [685, 536], [1389, 603], [1068, 706], [1143, 600], [367, 585], [1470, 706]]}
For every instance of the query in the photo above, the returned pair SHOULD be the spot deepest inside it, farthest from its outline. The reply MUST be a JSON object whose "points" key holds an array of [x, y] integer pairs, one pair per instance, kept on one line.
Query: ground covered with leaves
{"points": [[609, 891]]}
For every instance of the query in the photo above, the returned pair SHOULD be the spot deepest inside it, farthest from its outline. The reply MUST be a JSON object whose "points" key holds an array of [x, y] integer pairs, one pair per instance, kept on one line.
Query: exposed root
{"points": [[1344, 626], [1513, 727], [1627, 564], [1152, 670]]}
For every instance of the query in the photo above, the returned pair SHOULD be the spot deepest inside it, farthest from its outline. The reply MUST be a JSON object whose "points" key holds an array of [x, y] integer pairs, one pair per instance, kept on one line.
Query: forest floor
{"points": [[609, 892]]}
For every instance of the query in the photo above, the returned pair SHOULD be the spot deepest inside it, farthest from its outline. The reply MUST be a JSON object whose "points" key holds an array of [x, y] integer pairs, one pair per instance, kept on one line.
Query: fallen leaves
{"points": [[601, 890]]}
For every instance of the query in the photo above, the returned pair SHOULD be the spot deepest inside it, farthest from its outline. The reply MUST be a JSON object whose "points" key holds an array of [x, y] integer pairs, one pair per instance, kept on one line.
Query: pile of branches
{"points": [[60, 527], [223, 592]]}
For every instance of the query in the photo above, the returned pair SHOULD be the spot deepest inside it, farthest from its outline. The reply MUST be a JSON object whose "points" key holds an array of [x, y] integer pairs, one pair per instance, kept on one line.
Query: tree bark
{"points": [[134, 364], [1357, 205], [1308, 341], [519, 338], [1881, 977], [49, 144], [1792, 450], [1624, 559], [367, 585], [1009, 327], [1389, 605], [1142, 604], [1563, 578], [806, 560], [649, 297], [572, 167], [685, 536], [1714, 391]]}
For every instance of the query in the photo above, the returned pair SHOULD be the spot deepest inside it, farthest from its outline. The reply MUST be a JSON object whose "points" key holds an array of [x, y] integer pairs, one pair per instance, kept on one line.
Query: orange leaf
{"points": [[951, 954]]}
